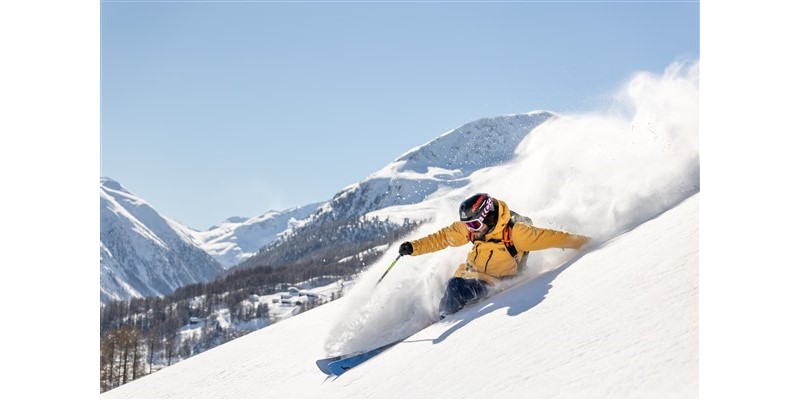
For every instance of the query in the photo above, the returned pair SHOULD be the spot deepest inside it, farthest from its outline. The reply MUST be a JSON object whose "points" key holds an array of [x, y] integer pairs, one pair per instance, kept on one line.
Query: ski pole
{"points": [[388, 269]]}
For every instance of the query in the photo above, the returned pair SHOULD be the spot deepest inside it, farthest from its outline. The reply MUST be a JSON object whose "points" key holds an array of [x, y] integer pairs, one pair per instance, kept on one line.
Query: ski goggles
{"points": [[475, 224]]}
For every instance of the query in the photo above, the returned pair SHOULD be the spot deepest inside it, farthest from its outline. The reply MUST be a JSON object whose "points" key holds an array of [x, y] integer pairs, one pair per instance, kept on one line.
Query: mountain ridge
{"points": [[143, 253]]}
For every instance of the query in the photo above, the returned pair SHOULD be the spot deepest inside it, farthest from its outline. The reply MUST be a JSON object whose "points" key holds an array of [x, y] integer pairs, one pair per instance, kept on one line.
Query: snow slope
{"points": [[618, 321]]}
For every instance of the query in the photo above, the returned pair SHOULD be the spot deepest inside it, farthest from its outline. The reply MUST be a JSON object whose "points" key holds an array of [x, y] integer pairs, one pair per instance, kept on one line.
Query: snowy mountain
{"points": [[616, 319], [436, 167], [237, 238], [304, 233], [143, 253]]}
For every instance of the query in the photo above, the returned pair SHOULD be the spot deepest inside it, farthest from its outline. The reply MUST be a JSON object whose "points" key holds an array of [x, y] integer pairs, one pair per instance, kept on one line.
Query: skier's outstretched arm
{"points": [[453, 235], [531, 238]]}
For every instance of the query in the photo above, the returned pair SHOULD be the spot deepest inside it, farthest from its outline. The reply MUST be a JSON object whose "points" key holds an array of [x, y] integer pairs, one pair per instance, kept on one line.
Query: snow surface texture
{"points": [[619, 319]]}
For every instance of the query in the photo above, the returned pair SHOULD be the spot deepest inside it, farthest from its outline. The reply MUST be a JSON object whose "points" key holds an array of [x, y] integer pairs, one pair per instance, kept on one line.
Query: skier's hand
{"points": [[406, 249]]}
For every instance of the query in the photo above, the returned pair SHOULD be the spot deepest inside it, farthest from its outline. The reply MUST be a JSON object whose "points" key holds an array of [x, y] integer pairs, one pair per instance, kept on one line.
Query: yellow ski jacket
{"points": [[489, 260]]}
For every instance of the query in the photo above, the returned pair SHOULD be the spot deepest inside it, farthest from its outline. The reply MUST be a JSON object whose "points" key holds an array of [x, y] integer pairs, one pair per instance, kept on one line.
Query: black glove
{"points": [[406, 249]]}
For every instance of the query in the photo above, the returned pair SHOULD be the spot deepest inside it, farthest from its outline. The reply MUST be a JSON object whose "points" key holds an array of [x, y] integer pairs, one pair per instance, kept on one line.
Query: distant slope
{"points": [[143, 253], [237, 239], [620, 321]]}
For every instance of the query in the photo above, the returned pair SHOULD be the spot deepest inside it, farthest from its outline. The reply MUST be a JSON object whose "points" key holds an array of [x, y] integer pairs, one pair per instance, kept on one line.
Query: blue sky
{"points": [[216, 109]]}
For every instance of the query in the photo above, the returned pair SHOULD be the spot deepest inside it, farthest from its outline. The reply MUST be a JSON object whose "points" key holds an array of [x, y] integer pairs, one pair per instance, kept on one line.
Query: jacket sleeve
{"points": [[531, 238], [453, 235]]}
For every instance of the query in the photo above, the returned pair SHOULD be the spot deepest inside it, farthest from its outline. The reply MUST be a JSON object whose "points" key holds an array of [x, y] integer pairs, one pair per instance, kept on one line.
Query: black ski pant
{"points": [[461, 292]]}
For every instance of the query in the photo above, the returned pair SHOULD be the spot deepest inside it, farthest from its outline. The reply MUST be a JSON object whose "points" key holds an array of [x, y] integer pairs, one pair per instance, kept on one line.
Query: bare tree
{"points": [[169, 348], [127, 346], [108, 350], [185, 349], [154, 346], [137, 361]]}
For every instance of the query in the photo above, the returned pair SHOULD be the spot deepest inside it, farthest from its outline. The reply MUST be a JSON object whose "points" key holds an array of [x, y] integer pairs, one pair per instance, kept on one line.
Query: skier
{"points": [[500, 240]]}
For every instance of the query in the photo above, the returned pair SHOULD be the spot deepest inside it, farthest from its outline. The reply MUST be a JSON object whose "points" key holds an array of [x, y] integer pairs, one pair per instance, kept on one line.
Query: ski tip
{"points": [[323, 366]]}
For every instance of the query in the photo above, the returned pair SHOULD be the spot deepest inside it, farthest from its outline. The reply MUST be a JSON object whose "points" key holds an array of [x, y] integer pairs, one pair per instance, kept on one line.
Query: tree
{"points": [[155, 345], [108, 351], [137, 360], [127, 345], [263, 311], [169, 347], [185, 349]]}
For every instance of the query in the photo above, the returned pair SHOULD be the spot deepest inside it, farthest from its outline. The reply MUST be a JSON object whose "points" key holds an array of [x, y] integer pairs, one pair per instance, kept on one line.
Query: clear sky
{"points": [[218, 109]]}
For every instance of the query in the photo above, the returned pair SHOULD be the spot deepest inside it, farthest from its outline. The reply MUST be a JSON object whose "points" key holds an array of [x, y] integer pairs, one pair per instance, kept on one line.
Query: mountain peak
{"points": [[442, 163], [474, 145], [236, 220], [109, 183]]}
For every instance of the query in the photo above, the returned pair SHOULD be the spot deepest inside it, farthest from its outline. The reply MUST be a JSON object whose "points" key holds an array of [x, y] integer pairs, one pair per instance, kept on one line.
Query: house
{"points": [[310, 295]]}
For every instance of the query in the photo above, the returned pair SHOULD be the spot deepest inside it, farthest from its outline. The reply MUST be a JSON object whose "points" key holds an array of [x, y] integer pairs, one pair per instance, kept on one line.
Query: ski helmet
{"points": [[478, 210]]}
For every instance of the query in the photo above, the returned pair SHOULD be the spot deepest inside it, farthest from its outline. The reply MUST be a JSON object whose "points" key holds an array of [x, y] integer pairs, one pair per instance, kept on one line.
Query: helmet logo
{"points": [[486, 209], [478, 203]]}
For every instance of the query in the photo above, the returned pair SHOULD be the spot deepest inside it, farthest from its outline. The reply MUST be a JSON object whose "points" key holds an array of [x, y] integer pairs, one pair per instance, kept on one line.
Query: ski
{"points": [[323, 364], [340, 364]]}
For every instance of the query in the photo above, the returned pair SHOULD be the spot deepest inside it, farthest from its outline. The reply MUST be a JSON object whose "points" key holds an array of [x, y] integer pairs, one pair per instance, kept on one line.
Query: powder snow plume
{"points": [[597, 174]]}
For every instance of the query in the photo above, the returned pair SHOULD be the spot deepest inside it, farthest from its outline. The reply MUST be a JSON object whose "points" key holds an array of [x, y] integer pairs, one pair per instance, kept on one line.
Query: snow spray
{"points": [[597, 174]]}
